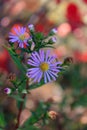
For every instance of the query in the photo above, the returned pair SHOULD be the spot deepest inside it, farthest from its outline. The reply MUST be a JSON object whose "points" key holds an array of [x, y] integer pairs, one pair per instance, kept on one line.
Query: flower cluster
{"points": [[43, 65], [32, 52]]}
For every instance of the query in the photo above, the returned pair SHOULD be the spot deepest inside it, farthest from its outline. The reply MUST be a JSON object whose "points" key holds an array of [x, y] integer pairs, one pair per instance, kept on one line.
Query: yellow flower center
{"points": [[44, 66], [22, 37]]}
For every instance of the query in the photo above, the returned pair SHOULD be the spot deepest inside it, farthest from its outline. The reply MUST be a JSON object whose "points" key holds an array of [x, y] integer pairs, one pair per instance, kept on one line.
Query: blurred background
{"points": [[69, 93]]}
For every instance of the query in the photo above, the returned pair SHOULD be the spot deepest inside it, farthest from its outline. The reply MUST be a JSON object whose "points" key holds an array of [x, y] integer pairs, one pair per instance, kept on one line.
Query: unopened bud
{"points": [[53, 40], [53, 32], [31, 27], [7, 90], [68, 60], [12, 77], [30, 39], [52, 114]]}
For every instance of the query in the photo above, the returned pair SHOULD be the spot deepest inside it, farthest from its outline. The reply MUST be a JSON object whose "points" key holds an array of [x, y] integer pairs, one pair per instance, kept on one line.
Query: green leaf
{"points": [[17, 97], [16, 60], [37, 115], [33, 86], [49, 47], [1, 128], [2, 120], [29, 127], [80, 101], [22, 85], [39, 36], [26, 50]]}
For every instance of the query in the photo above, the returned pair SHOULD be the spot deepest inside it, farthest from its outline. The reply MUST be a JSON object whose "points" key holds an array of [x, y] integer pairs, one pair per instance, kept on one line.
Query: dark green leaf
{"points": [[33, 86], [2, 120], [17, 97], [16, 60]]}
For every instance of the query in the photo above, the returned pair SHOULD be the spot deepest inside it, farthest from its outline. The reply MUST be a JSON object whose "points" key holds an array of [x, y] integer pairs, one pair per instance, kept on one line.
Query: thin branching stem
{"points": [[21, 108]]}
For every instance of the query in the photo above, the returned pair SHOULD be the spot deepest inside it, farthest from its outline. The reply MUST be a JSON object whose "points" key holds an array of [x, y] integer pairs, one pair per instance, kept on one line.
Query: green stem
{"points": [[21, 108]]}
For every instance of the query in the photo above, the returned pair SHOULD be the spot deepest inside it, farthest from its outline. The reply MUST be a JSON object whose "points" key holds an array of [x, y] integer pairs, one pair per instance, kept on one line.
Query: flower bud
{"points": [[68, 60], [53, 40], [53, 32], [52, 114], [7, 90], [31, 27], [12, 77]]}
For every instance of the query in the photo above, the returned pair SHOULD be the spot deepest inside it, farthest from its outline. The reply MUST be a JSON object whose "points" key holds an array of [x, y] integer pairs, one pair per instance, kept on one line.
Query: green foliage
{"points": [[17, 60], [20, 86], [40, 114], [2, 120], [33, 86], [29, 127]]}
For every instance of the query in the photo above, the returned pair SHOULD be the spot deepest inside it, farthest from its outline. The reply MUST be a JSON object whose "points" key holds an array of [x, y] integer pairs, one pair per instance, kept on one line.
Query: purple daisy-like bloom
{"points": [[19, 35], [43, 65]]}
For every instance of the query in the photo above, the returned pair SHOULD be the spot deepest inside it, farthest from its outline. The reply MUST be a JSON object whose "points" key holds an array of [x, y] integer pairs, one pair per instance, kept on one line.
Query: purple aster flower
{"points": [[19, 35], [7, 90], [43, 65]]}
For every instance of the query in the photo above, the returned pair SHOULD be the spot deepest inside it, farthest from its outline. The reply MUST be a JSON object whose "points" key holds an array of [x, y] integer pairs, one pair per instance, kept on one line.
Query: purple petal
{"points": [[12, 40], [33, 70], [38, 77], [48, 77], [33, 56], [17, 31], [32, 62], [41, 52], [47, 55], [53, 69], [23, 30], [34, 74], [53, 77], [21, 44], [38, 56], [45, 78], [53, 73], [51, 59]]}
